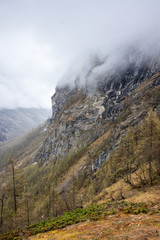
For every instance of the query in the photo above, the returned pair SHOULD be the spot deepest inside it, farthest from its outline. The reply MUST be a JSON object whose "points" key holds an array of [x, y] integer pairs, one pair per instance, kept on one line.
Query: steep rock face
{"points": [[84, 113], [59, 99], [77, 126]]}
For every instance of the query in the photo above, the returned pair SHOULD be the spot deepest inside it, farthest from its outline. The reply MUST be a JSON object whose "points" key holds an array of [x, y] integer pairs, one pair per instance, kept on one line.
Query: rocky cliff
{"points": [[99, 110], [84, 112]]}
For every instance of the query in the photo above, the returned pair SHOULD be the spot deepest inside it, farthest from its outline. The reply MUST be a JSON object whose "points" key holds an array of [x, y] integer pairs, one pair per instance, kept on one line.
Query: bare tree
{"points": [[11, 161], [2, 206]]}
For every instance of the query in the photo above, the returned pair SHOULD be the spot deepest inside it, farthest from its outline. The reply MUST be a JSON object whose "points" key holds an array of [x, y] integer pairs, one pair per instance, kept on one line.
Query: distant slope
{"points": [[24, 148], [16, 122]]}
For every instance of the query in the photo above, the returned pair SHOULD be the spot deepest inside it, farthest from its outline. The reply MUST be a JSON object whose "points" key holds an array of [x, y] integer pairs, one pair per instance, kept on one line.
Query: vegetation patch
{"points": [[93, 212]]}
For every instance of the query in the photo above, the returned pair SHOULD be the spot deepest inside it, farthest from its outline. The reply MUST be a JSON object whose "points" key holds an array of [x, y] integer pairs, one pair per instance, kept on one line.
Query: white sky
{"points": [[41, 39]]}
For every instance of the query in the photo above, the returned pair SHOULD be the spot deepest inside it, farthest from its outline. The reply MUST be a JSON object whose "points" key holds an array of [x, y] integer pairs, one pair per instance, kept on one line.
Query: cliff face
{"points": [[115, 98]]}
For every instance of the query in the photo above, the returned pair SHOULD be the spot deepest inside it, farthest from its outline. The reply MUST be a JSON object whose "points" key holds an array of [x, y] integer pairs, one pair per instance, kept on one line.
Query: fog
{"points": [[45, 43]]}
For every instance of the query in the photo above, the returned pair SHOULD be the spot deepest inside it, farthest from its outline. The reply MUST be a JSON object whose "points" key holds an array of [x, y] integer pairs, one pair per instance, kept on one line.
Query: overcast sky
{"points": [[41, 39]]}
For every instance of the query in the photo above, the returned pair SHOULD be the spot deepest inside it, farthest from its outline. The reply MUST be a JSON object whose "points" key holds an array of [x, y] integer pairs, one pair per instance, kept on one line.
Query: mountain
{"points": [[100, 144], [108, 101], [17, 122]]}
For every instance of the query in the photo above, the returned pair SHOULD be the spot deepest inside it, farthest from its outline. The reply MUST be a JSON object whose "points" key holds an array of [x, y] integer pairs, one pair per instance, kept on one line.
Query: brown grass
{"points": [[115, 227]]}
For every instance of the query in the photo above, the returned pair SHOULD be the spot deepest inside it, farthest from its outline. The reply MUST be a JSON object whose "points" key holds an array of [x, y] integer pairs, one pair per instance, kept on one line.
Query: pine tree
{"points": [[149, 142]]}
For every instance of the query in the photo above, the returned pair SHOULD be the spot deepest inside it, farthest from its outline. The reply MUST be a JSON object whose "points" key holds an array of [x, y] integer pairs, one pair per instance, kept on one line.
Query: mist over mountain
{"points": [[98, 68], [97, 63], [42, 42]]}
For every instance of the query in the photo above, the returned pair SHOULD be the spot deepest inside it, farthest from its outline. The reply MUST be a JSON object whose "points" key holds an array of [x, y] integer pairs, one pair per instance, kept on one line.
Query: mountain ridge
{"points": [[17, 122]]}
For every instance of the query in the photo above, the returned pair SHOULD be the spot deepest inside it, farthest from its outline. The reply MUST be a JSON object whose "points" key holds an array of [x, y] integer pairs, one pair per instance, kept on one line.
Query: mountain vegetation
{"points": [[97, 153]]}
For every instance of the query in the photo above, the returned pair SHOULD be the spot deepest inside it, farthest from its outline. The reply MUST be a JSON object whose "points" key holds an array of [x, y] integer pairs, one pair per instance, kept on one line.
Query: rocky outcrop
{"points": [[77, 126], [83, 113]]}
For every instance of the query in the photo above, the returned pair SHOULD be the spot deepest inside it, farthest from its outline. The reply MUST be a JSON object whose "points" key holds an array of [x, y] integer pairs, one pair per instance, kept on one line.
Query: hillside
{"points": [[111, 220], [24, 148], [101, 144], [116, 226], [17, 122]]}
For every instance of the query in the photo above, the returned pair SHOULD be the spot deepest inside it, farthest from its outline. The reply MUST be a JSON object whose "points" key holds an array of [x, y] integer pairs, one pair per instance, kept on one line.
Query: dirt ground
{"points": [[117, 227]]}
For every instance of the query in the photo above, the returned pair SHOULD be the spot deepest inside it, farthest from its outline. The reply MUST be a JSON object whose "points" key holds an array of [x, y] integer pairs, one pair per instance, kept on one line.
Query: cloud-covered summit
{"points": [[41, 40]]}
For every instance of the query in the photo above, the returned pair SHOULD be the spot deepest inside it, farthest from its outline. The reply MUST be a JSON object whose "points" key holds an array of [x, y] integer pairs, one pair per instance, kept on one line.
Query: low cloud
{"points": [[45, 43]]}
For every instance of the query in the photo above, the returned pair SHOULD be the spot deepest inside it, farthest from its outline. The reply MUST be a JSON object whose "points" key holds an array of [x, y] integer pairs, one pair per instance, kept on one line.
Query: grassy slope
{"points": [[135, 218], [119, 226], [124, 223], [22, 148]]}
